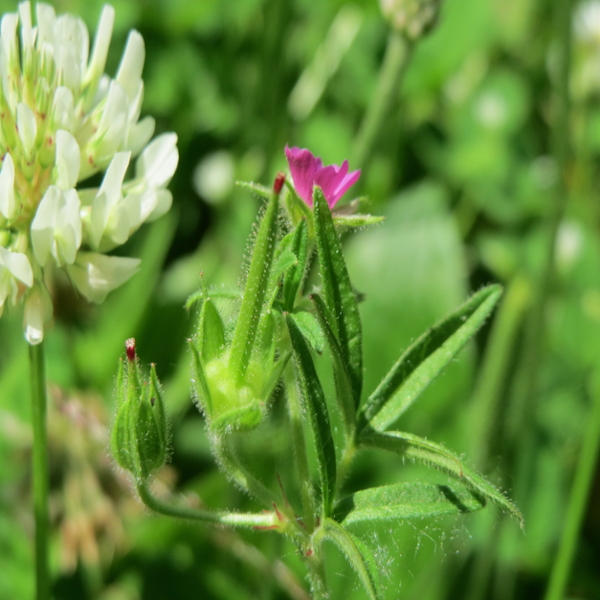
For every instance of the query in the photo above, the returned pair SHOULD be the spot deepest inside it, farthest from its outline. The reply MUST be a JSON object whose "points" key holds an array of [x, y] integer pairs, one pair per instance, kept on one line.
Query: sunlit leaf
{"points": [[425, 359]]}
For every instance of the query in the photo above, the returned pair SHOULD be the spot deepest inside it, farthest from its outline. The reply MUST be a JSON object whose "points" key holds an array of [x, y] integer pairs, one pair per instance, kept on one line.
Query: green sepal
{"points": [[435, 455], [151, 452], [425, 359], [199, 384], [354, 551], [315, 407], [214, 292], [234, 405], [347, 402], [266, 342], [405, 501], [255, 291], [274, 376], [211, 331], [338, 293], [256, 188], [298, 209], [294, 276], [120, 439]]}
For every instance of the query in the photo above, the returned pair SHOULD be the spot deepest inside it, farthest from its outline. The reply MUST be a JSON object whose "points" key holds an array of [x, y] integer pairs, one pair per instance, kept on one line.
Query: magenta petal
{"points": [[347, 182], [335, 181], [303, 167]]}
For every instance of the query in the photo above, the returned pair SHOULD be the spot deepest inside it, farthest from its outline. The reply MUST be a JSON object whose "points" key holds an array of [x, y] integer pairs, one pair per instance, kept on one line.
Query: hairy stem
{"points": [[40, 470], [270, 520]]}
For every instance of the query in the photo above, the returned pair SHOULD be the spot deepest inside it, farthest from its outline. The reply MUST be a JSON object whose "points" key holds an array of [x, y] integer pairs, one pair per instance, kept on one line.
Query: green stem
{"points": [[270, 520], [299, 444], [316, 576], [254, 291], [40, 470], [394, 64], [584, 475]]}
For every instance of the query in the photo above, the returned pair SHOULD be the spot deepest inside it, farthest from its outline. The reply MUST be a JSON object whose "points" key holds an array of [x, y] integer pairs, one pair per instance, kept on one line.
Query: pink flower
{"points": [[308, 170]]}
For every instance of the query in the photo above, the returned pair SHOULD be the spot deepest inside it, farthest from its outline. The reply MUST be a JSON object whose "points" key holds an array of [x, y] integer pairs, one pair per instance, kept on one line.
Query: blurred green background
{"points": [[465, 170]]}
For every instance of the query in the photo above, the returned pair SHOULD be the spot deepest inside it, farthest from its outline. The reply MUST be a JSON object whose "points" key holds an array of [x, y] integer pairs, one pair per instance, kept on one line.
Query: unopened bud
{"points": [[130, 349], [278, 183], [139, 437], [412, 18]]}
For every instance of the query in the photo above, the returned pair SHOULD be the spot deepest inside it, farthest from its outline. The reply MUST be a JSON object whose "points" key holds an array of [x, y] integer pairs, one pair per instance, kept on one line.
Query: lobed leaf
{"points": [[338, 293], [354, 551], [423, 361], [316, 409], [403, 501], [435, 455]]}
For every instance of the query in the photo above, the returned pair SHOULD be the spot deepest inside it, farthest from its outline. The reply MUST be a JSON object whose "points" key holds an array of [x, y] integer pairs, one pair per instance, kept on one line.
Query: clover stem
{"points": [[40, 470]]}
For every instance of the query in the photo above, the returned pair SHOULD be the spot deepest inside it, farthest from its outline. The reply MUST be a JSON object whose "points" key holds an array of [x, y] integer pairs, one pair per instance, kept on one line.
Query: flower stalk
{"points": [[40, 470]]}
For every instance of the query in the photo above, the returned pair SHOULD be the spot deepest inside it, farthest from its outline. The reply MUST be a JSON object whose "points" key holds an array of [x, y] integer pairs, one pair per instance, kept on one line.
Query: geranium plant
{"points": [[237, 370]]}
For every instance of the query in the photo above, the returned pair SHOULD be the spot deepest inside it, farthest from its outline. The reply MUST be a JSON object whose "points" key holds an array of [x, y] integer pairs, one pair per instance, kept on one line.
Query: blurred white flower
{"points": [[62, 120]]}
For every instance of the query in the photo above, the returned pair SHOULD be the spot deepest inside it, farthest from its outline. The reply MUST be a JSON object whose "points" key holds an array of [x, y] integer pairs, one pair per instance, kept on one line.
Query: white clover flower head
{"points": [[62, 120]]}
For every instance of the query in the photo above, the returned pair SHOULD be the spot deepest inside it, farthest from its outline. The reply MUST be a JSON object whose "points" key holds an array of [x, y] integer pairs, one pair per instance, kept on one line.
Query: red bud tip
{"points": [[130, 349], [278, 183]]}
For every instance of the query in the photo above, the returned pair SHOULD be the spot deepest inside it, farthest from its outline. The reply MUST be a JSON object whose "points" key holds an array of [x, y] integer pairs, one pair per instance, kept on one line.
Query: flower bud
{"points": [[412, 18], [139, 438]]}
